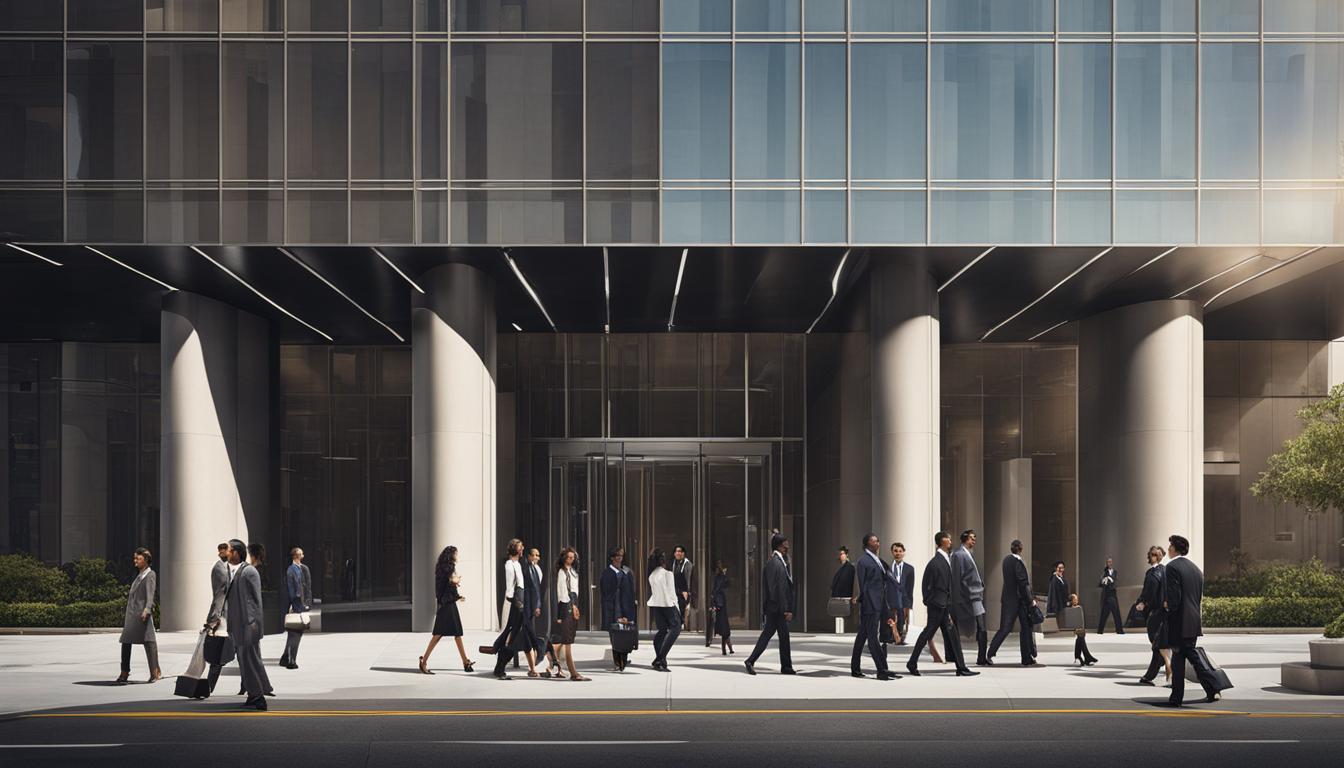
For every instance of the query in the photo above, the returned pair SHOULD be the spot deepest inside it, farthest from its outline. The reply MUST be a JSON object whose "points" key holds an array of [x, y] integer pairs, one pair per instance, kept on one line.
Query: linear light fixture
{"points": [[974, 261], [518, 273], [606, 288], [1053, 288], [263, 296], [1264, 272], [35, 255], [1047, 330], [1220, 274], [342, 294], [397, 269], [124, 265], [517, 327], [1153, 260], [835, 288], [676, 291]]}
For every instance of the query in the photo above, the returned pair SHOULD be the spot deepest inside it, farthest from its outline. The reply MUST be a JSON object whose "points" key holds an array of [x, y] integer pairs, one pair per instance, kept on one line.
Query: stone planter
{"points": [[1327, 653], [1323, 675]]}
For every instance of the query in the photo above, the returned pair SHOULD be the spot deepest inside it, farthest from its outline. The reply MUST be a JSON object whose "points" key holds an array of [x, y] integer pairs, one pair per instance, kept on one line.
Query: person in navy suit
{"points": [[937, 587], [875, 587], [618, 599], [904, 575], [1154, 615], [1182, 594]]}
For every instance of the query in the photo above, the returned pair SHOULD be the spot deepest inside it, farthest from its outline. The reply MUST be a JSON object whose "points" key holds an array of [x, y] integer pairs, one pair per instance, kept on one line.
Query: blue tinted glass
{"points": [[1083, 217], [1304, 125], [767, 216], [887, 112], [696, 216], [767, 15], [1164, 217], [1085, 16], [887, 15], [825, 16], [825, 111], [1085, 111], [1231, 15], [992, 111], [1230, 105], [993, 16], [1017, 216], [1229, 217], [766, 118], [824, 216], [1304, 16], [1302, 216], [1155, 111], [696, 82], [1154, 15], [883, 217], [697, 15]]}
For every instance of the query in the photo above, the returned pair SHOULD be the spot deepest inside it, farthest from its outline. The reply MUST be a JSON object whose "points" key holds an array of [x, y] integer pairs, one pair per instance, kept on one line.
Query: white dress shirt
{"points": [[566, 581], [513, 578], [876, 559], [898, 570], [946, 556], [662, 588]]}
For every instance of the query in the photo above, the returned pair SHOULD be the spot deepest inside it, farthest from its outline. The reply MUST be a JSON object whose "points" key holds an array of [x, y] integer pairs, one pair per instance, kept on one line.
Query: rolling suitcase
{"points": [[1221, 681]]}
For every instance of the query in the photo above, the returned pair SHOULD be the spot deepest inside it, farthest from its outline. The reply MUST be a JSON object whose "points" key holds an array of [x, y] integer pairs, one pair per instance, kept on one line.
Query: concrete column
{"points": [[904, 328], [1140, 441], [453, 440], [1007, 517], [1335, 363], [216, 467]]}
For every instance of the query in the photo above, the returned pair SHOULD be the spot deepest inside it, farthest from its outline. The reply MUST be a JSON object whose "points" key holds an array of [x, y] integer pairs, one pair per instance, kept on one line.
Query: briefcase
{"points": [[297, 622], [214, 648], [839, 607], [1037, 617], [1221, 681], [624, 637]]}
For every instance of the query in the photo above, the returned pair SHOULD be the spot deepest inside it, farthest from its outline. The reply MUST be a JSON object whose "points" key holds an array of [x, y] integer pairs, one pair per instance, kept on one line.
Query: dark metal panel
{"points": [[1000, 284]]}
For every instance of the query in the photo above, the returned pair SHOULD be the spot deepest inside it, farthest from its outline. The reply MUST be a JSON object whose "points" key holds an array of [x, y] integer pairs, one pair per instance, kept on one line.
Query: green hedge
{"points": [[1336, 627], [1309, 579], [110, 613], [1270, 611]]}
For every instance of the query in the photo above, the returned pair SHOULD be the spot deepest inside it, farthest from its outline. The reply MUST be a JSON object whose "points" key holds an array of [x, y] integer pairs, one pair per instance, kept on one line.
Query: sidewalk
{"points": [[47, 672]]}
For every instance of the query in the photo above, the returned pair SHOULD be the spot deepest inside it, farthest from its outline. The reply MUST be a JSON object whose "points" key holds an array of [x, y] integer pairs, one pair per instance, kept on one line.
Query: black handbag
{"points": [[1221, 681], [192, 687], [624, 637], [1036, 616], [1135, 617], [214, 648]]}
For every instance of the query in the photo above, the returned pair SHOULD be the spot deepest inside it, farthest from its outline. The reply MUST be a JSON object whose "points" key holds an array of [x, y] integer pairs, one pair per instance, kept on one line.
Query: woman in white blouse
{"points": [[567, 608], [517, 636], [663, 607]]}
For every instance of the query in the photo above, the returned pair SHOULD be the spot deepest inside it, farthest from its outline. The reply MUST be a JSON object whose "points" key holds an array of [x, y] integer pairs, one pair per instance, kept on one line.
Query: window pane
{"points": [[517, 216], [1083, 217], [105, 15], [32, 216], [887, 120], [1154, 111], [181, 15], [825, 16], [1231, 15], [1229, 217], [254, 111], [317, 15], [30, 109], [825, 111], [380, 111], [696, 216], [182, 110], [766, 120], [1085, 16], [1304, 16], [991, 217], [108, 216], [381, 216], [1165, 217], [182, 216], [1303, 121], [1304, 216], [696, 83], [1085, 111], [767, 15], [1230, 106], [380, 16], [317, 91], [253, 216], [518, 15], [432, 15], [622, 15], [767, 216], [992, 111], [316, 216], [32, 15], [1154, 15], [697, 15], [623, 111], [824, 216], [253, 15], [432, 62], [889, 217], [517, 111], [887, 15], [618, 216], [103, 110], [433, 216], [993, 16]]}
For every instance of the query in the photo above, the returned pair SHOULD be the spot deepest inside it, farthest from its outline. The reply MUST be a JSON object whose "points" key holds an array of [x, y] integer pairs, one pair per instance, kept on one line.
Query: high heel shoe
{"points": [[723, 650], [469, 666], [424, 670], [125, 677], [155, 676]]}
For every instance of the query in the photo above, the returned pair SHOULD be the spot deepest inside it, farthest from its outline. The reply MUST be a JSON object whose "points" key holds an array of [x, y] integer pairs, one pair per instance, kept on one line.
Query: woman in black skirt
{"points": [[567, 608], [447, 622], [718, 604]]}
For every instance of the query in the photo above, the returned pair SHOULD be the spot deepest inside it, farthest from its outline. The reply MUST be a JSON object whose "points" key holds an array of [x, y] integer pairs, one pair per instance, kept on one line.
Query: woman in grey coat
{"points": [[138, 628]]}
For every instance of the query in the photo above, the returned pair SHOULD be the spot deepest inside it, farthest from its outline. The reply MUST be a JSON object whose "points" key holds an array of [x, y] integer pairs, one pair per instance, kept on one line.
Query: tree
{"points": [[1309, 471]]}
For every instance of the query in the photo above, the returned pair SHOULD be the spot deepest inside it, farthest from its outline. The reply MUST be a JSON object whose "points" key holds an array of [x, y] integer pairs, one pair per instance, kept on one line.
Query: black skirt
{"points": [[518, 634], [447, 621], [721, 627], [565, 625]]}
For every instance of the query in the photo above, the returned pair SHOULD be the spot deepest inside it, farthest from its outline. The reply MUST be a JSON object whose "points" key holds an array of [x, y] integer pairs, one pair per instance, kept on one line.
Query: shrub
{"points": [[92, 582], [24, 579], [1270, 611], [108, 613], [1335, 628], [1309, 579]]}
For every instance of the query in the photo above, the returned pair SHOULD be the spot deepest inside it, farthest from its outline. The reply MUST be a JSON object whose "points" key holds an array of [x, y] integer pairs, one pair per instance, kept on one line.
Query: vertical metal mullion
{"points": [[659, 195], [849, 127], [219, 123], [746, 385], [1055, 49], [65, 124], [284, 125], [583, 119], [1114, 122], [447, 114], [144, 131], [1199, 124], [1260, 181], [802, 123], [349, 103], [732, 129], [415, 126], [928, 121]]}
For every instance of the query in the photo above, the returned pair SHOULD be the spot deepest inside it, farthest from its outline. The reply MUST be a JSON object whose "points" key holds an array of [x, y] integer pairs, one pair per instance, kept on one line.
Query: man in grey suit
{"points": [[244, 613], [968, 596], [219, 583], [299, 597]]}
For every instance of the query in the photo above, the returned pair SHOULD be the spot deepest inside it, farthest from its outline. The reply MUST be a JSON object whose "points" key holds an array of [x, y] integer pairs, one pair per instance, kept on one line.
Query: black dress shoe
{"points": [[751, 668], [966, 672], [1030, 663], [500, 675], [888, 676], [259, 704], [1146, 681], [984, 663], [860, 674], [788, 671], [1212, 697], [910, 666]]}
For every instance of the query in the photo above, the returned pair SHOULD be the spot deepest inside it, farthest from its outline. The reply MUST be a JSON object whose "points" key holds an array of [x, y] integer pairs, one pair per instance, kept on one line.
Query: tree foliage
{"points": [[1309, 470]]}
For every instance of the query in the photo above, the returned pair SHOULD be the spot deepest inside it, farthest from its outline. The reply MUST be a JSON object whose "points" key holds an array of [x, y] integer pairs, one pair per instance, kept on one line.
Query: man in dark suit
{"points": [[904, 574], [776, 606], [219, 583], [1110, 604], [895, 598], [532, 592], [874, 609], [842, 585], [1015, 604], [298, 599], [937, 587], [618, 599], [244, 613], [1183, 593], [683, 580], [1150, 605]]}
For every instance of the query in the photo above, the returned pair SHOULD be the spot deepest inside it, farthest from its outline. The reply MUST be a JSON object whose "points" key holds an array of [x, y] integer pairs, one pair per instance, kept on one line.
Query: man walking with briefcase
{"points": [[299, 600], [1183, 594]]}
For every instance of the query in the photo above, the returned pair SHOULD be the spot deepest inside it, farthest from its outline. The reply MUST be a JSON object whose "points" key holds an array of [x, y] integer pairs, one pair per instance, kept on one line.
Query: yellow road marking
{"points": [[684, 712]]}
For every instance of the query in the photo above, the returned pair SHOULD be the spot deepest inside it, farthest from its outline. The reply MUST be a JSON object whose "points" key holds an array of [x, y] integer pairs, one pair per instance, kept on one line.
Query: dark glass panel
{"points": [[316, 216], [432, 63], [585, 384], [182, 110], [31, 15], [104, 110], [30, 109], [182, 216], [517, 216], [622, 15], [517, 15], [623, 111], [431, 15], [253, 216], [31, 215], [619, 216], [253, 109], [674, 381], [317, 116], [181, 15], [110, 216], [253, 15], [105, 15], [434, 215], [380, 16], [317, 15], [380, 111], [382, 216]]}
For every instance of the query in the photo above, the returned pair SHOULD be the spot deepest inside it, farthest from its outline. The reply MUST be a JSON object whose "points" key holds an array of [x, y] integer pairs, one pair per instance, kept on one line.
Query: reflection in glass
{"points": [[1230, 108], [380, 111], [621, 216], [380, 16], [766, 118], [1083, 217], [696, 216], [622, 15], [434, 215], [253, 110], [182, 216], [106, 215], [767, 15], [28, 215], [32, 15], [1085, 16], [887, 111], [381, 216], [253, 216], [317, 15], [622, 111], [1303, 216], [181, 15], [432, 15], [697, 79], [253, 15], [103, 105], [517, 216], [432, 107], [1164, 16], [767, 216], [30, 109], [824, 111], [1304, 16], [517, 15], [824, 16], [824, 216], [104, 15], [887, 15], [992, 111], [1229, 217], [983, 217], [1085, 111], [1304, 110], [889, 216], [1231, 15], [993, 16], [1155, 216], [698, 16], [316, 216], [317, 111], [1155, 111], [182, 110]]}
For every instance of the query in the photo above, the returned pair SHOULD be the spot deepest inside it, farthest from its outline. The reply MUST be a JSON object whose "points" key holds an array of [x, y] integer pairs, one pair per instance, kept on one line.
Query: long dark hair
{"points": [[445, 567], [560, 563], [657, 559]]}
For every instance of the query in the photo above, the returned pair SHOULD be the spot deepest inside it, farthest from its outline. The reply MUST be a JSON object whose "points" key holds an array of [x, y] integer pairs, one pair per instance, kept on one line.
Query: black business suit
{"points": [[1057, 598], [937, 588], [1110, 604], [874, 609], [907, 583], [618, 602], [1015, 606], [1154, 584], [776, 600], [842, 583], [1184, 591]]}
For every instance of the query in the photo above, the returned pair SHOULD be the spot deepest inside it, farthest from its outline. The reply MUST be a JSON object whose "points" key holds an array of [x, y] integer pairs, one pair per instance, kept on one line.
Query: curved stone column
{"points": [[1140, 441], [906, 478], [453, 440]]}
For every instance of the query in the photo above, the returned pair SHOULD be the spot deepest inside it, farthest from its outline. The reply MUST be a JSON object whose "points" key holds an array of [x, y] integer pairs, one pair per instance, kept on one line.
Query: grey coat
{"points": [[968, 589], [219, 582], [243, 611], [135, 630]]}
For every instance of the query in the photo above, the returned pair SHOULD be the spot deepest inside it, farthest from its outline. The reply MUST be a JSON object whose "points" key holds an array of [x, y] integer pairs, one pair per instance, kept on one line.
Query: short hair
{"points": [[145, 553], [938, 538], [678, 547], [845, 549], [1179, 544], [1016, 546], [896, 544], [613, 552], [867, 537], [238, 547], [514, 547], [222, 545], [967, 534], [294, 550], [257, 550], [533, 551], [1156, 550], [777, 541], [1055, 567]]}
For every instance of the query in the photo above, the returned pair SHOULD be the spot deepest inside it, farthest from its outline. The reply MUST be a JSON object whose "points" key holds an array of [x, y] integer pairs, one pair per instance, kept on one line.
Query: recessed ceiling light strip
{"points": [[124, 265], [974, 261], [1262, 273], [1153, 260], [676, 291], [1220, 274], [35, 255], [606, 288], [1053, 288], [1047, 330], [835, 288], [518, 273], [398, 270], [341, 293], [517, 327], [263, 296]]}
